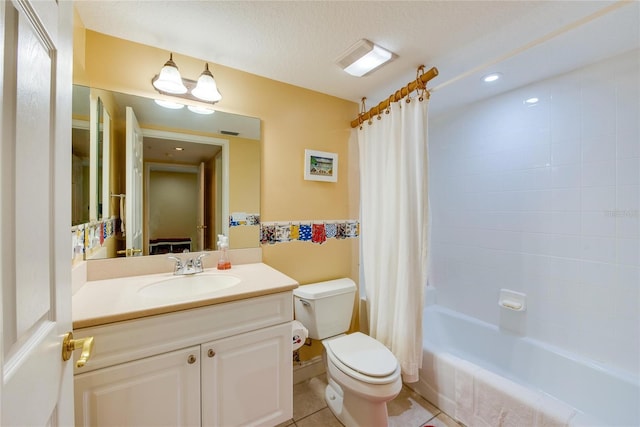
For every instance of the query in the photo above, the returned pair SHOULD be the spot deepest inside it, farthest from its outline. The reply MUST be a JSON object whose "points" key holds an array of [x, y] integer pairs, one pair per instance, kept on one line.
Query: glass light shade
{"points": [[169, 104], [206, 89], [169, 80], [200, 110], [372, 60]]}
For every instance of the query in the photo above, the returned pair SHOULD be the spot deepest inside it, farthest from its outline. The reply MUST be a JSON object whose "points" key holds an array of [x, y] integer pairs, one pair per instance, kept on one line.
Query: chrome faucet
{"points": [[190, 266]]}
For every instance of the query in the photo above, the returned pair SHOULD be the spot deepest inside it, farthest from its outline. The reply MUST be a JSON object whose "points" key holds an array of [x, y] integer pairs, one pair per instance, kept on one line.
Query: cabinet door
{"points": [[247, 379], [162, 390]]}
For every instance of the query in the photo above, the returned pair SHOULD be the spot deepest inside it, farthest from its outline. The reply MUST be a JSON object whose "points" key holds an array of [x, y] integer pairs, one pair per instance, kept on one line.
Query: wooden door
{"points": [[36, 387], [202, 224], [133, 197]]}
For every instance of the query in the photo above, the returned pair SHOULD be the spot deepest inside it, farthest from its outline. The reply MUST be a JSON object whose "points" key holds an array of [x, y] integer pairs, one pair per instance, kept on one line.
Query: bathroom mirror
{"points": [[80, 152], [90, 157], [219, 154]]}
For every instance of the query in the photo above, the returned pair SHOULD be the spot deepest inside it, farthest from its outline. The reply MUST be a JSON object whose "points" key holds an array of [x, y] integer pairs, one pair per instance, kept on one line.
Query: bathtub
{"points": [[484, 377]]}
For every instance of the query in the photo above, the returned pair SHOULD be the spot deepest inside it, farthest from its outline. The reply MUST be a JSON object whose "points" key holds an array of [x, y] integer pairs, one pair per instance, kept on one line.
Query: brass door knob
{"points": [[129, 252], [69, 345]]}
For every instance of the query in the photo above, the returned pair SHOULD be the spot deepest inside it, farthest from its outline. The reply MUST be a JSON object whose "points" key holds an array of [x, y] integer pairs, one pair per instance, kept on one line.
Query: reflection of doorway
{"points": [[183, 190], [174, 197]]}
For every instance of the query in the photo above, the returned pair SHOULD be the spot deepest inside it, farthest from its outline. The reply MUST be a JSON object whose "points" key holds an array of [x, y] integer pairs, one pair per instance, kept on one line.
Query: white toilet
{"points": [[363, 375]]}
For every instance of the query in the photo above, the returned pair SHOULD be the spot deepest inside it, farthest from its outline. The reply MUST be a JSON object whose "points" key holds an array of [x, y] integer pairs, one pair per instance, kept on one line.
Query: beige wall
{"points": [[292, 119], [244, 170]]}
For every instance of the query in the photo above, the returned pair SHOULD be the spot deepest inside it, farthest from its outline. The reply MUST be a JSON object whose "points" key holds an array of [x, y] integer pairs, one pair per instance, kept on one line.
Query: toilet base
{"points": [[353, 410], [333, 396], [356, 403]]}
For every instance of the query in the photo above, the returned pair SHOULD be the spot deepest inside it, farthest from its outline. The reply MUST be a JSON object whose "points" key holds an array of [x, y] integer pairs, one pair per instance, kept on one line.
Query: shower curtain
{"points": [[394, 214]]}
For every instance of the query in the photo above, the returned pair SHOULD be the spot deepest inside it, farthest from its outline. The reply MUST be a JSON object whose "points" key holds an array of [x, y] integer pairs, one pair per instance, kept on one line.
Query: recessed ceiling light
{"points": [[200, 110], [179, 149], [491, 77], [168, 104], [531, 101]]}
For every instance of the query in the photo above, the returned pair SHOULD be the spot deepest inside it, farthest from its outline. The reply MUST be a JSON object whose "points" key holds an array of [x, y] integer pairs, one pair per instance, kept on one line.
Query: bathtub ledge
{"points": [[475, 396]]}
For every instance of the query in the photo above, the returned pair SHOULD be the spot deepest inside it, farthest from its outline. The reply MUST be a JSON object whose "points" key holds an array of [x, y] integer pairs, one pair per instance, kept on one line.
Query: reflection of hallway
{"points": [[182, 198], [173, 206]]}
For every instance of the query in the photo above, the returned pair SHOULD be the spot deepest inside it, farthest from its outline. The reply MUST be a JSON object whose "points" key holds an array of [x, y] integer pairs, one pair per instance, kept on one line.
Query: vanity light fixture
{"points": [[169, 79], [206, 89], [364, 57], [169, 82]]}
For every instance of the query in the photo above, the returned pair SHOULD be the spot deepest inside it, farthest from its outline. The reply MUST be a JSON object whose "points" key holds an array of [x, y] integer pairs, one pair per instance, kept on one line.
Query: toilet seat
{"points": [[363, 358]]}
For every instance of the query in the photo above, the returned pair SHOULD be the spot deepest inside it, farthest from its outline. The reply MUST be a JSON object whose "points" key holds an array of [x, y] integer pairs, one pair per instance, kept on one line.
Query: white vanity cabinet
{"points": [[227, 364], [161, 390], [242, 378]]}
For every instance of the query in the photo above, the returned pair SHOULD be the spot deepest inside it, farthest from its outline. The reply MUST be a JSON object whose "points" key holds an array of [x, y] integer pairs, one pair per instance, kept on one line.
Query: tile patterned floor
{"points": [[407, 410]]}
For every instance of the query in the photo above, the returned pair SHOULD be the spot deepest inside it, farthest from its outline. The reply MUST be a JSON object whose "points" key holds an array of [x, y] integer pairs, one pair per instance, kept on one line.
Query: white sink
{"points": [[189, 285]]}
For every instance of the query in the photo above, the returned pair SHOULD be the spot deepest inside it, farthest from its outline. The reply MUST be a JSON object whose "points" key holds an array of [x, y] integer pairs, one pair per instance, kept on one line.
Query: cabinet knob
{"points": [[211, 353], [191, 359]]}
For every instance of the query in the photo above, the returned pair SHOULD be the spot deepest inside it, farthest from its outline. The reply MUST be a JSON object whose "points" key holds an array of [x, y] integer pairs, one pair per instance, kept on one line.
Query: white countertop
{"points": [[106, 301]]}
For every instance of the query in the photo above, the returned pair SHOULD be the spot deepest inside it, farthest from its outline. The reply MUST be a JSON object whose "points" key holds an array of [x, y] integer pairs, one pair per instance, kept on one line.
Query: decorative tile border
{"points": [[308, 231], [240, 218], [89, 236]]}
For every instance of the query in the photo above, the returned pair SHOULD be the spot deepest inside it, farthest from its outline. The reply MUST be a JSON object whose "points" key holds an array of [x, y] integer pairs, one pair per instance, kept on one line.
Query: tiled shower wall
{"points": [[544, 200]]}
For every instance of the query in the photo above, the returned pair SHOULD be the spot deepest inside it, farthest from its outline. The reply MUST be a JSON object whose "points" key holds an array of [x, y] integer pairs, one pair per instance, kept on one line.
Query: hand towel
{"points": [[122, 215]]}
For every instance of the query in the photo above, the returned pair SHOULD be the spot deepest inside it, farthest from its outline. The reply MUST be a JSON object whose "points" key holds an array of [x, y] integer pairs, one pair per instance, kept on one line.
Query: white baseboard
{"points": [[303, 371]]}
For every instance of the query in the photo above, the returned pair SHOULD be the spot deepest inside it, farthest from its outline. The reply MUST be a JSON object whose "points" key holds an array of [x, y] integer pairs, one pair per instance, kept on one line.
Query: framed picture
{"points": [[320, 166]]}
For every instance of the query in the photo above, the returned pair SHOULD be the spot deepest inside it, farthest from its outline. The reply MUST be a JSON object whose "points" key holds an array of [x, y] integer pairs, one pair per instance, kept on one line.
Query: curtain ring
{"points": [[421, 88], [363, 110]]}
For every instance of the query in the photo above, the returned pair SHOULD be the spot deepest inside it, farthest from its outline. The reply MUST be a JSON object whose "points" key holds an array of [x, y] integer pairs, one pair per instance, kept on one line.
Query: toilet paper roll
{"points": [[299, 334]]}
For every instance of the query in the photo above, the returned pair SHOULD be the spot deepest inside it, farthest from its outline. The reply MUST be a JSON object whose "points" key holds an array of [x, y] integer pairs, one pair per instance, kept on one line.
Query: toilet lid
{"points": [[364, 354]]}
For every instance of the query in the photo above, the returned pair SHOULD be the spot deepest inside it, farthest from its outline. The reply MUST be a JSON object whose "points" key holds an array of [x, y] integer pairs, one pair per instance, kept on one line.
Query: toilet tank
{"points": [[325, 308]]}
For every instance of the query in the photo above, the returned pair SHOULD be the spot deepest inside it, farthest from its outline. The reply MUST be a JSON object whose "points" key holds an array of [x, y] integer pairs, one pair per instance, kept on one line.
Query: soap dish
{"points": [[512, 300]]}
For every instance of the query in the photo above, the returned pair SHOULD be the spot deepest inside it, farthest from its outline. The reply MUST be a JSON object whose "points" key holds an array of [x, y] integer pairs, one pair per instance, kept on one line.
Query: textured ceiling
{"points": [[297, 42]]}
